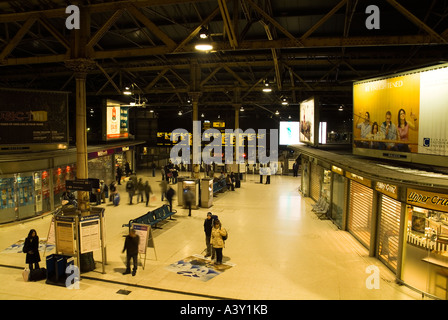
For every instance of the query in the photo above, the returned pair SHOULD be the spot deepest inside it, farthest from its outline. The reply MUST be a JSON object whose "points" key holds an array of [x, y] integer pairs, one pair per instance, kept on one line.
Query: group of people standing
{"points": [[386, 131]]}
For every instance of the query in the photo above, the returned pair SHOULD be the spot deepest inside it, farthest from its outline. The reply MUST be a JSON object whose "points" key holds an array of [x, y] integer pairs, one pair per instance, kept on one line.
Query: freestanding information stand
{"points": [[74, 234]]}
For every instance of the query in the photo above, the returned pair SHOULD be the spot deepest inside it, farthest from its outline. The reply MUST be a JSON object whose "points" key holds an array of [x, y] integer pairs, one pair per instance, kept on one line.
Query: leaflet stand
{"points": [[75, 234], [144, 231]]}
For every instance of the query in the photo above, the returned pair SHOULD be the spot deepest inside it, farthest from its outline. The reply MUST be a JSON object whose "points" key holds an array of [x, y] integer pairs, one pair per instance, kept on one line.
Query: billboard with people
{"points": [[402, 116], [309, 120]]}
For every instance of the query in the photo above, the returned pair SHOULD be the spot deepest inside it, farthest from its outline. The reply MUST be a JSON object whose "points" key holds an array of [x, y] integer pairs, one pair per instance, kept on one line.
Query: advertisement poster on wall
{"points": [[7, 193], [33, 117], [405, 113], [307, 121], [116, 121]]}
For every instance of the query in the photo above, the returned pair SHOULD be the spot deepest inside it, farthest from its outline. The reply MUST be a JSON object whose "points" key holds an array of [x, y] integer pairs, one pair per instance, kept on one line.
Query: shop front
{"points": [[34, 184], [337, 209], [305, 177], [389, 216], [425, 254], [360, 208]]}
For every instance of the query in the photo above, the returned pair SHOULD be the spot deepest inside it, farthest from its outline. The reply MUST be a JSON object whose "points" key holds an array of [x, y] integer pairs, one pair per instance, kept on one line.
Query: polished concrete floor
{"points": [[278, 249]]}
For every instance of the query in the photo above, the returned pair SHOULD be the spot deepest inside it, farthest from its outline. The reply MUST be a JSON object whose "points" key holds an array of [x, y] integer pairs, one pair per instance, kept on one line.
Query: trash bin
{"points": [[206, 193]]}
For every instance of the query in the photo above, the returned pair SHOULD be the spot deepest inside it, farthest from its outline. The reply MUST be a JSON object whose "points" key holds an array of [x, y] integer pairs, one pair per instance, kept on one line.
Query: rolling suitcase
{"points": [[37, 274], [116, 199]]}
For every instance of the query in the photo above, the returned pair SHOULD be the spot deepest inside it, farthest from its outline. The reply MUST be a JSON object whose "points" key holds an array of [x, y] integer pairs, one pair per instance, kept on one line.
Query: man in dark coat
{"points": [[189, 199], [131, 247], [169, 196], [119, 174], [208, 225]]}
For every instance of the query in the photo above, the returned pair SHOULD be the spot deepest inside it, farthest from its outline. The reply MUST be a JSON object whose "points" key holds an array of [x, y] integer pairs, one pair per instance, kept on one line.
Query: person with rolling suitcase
{"points": [[31, 248]]}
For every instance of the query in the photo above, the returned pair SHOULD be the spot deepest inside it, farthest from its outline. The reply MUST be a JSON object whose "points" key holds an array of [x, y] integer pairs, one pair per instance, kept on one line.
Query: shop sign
{"points": [[357, 178], [428, 200], [337, 170], [388, 189]]}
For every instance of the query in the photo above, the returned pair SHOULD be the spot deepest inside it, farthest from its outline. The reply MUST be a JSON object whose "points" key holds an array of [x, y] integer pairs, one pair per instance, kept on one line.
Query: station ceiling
{"points": [[300, 48]]}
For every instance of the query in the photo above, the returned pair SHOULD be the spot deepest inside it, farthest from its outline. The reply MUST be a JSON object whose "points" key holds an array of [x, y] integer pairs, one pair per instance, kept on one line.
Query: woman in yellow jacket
{"points": [[217, 241]]}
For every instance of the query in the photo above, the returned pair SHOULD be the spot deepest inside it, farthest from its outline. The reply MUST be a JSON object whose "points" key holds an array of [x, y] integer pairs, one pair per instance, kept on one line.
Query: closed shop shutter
{"points": [[316, 181], [388, 232], [360, 212]]}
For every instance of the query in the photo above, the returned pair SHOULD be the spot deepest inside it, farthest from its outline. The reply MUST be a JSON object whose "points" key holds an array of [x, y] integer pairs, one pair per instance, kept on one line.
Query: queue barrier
{"points": [[153, 217]]}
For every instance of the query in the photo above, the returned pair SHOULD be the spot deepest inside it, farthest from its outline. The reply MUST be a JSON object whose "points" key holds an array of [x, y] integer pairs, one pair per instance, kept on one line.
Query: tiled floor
{"points": [[279, 248]]}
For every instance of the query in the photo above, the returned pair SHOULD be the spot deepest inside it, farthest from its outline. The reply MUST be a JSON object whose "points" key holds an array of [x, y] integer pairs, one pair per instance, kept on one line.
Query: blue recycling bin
{"points": [[56, 267]]}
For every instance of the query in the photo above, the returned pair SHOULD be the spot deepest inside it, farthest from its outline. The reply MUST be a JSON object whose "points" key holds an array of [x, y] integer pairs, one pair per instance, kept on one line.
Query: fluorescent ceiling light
{"points": [[203, 46]]}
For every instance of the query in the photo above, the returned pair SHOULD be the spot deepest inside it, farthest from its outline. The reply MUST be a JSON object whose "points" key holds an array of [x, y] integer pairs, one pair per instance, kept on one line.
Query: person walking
{"points": [[169, 196], [208, 226], [130, 189], [217, 241], [119, 174], [188, 199], [131, 247], [148, 191], [31, 248], [163, 187], [140, 190], [268, 174], [112, 190]]}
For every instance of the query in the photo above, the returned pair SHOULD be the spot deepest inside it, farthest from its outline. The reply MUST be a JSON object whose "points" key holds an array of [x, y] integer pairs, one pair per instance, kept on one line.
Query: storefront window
{"points": [[60, 175], [337, 207], [101, 168], [426, 252], [46, 201], [305, 178], [25, 195], [7, 204], [388, 232]]}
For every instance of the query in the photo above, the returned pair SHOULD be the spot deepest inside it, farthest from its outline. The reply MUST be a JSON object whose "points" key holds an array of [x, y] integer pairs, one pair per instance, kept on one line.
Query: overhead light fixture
{"points": [[202, 115], [284, 102], [242, 109], [203, 33], [203, 43], [127, 91], [289, 117], [179, 113], [277, 113], [267, 88], [341, 108]]}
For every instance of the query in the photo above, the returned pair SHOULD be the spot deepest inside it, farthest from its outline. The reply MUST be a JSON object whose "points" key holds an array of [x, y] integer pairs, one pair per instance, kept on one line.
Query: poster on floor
{"points": [[198, 267], [17, 247]]}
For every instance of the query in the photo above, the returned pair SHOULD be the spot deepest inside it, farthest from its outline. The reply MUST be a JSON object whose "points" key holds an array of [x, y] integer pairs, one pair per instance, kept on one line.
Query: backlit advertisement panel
{"points": [[289, 132], [116, 121], [403, 115], [307, 121]]}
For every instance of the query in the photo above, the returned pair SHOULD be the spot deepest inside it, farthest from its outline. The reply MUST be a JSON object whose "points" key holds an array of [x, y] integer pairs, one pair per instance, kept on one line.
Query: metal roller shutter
{"points": [[388, 232], [316, 180], [360, 212]]}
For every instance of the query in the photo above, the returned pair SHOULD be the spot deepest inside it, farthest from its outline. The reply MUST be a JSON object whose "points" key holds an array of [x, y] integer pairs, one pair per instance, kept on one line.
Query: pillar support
{"points": [[81, 67]]}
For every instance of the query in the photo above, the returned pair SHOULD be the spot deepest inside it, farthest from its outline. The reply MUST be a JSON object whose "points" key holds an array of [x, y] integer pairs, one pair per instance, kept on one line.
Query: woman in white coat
{"points": [[217, 241]]}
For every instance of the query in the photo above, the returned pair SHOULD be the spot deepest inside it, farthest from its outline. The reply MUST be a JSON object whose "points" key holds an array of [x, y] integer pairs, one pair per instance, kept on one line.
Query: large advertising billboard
{"points": [[289, 132], [309, 119], [402, 116], [116, 121], [33, 120]]}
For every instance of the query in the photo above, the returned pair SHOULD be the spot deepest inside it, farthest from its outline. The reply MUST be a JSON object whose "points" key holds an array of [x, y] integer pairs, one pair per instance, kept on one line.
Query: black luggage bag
{"points": [[37, 274]]}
